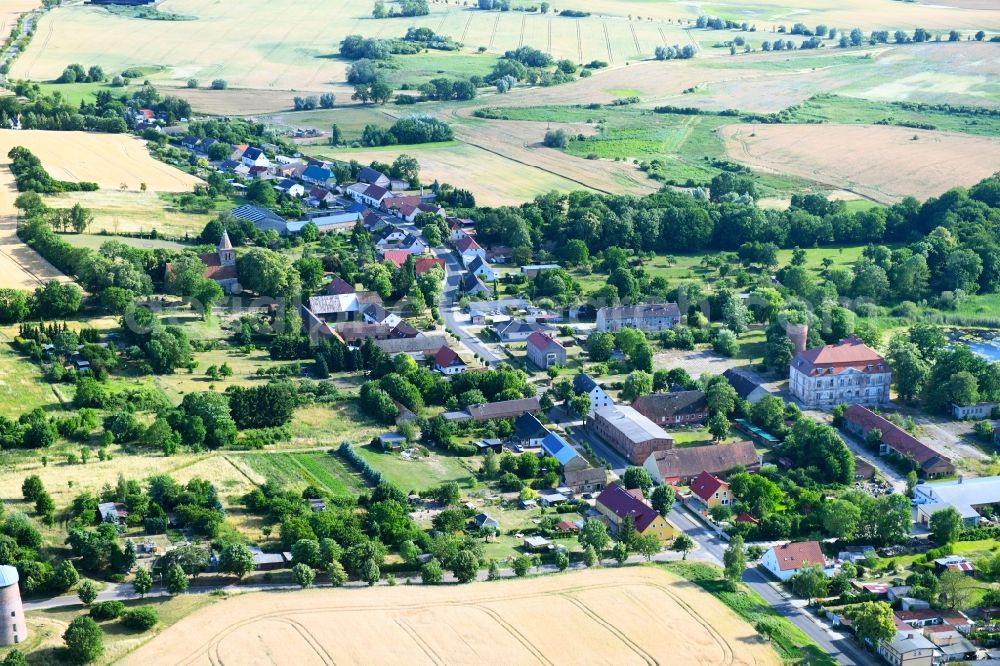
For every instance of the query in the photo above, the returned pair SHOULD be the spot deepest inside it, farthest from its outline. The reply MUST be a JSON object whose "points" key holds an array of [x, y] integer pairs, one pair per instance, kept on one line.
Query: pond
{"points": [[985, 344]]}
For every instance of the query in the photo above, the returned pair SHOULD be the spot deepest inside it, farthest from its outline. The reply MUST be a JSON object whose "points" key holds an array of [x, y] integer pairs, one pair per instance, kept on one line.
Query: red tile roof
{"points": [[624, 503], [793, 556], [542, 341], [214, 270], [706, 485], [424, 264], [896, 438], [396, 257], [446, 357], [847, 354], [747, 518], [467, 243]]}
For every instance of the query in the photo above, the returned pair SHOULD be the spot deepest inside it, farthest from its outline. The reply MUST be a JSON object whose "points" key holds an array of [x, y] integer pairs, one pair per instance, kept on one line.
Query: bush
{"points": [[140, 619], [219, 84], [107, 610]]}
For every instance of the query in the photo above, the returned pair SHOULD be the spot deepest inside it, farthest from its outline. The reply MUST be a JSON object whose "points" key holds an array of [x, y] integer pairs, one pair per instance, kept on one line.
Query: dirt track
{"points": [[630, 616]]}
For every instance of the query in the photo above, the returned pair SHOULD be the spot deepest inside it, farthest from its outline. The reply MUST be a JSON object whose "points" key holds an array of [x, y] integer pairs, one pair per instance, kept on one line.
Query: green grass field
{"points": [[420, 474], [299, 470], [22, 387]]}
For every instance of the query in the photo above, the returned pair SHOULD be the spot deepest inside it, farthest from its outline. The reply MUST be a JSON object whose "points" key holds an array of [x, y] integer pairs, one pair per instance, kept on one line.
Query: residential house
{"points": [[848, 372], [469, 249], [320, 195], [413, 244], [518, 331], [710, 490], [375, 313], [629, 432], [389, 237], [908, 648], [290, 187], [557, 447], [482, 269], [545, 351], [255, 157], [373, 195], [264, 219], [649, 317], [448, 362], [458, 229], [784, 561], [373, 177], [745, 386], [528, 431], [485, 521], [424, 264], [677, 408], [586, 480], [860, 421], [317, 175], [680, 466], [584, 383], [616, 503], [473, 286], [978, 411], [396, 257]]}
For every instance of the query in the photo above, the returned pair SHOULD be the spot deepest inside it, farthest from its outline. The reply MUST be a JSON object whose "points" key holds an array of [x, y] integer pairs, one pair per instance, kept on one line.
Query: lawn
{"points": [[413, 70], [22, 387], [788, 640], [420, 474], [299, 470]]}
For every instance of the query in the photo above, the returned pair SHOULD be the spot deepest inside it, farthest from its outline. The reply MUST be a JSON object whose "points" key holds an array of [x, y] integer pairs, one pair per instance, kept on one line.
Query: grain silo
{"points": [[13, 628]]}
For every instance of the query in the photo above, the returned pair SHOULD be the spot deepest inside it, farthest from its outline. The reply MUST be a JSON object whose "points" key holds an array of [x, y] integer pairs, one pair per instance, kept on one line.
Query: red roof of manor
{"points": [[706, 485], [793, 556], [446, 356], [848, 353], [424, 264], [542, 341], [467, 243], [623, 503]]}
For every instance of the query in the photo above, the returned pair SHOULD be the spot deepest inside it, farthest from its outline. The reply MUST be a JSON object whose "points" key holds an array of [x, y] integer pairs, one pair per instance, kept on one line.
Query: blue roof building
{"points": [[557, 447]]}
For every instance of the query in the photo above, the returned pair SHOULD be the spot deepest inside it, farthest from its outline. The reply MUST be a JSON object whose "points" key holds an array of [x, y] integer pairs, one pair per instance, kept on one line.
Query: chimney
{"points": [[799, 334]]}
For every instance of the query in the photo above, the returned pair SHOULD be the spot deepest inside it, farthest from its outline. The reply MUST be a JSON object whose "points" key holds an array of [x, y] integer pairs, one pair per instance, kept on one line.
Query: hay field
{"points": [[131, 212], [494, 178], [881, 163], [110, 160], [10, 10], [624, 616]]}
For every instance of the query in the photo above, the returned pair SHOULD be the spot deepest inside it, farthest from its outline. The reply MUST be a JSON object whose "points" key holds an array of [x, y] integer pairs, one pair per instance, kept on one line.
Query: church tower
{"points": [[227, 256]]}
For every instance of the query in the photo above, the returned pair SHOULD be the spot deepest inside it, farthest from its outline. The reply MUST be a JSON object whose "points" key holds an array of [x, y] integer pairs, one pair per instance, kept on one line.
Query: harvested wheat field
{"points": [[113, 161], [10, 11], [562, 619], [878, 162], [20, 266]]}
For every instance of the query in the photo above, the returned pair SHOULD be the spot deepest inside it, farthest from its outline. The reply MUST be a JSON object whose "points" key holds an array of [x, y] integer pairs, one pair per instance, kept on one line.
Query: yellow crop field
{"points": [[10, 10], [880, 162], [621, 616]]}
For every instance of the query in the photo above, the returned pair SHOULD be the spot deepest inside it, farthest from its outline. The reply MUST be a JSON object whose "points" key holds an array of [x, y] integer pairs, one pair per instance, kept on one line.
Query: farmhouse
{"points": [[616, 503], [860, 421], [650, 317], [528, 431], [784, 561], [848, 372], [680, 466], [320, 195], [584, 383], [678, 408], [504, 409], [373, 195], [710, 490], [447, 362], [629, 432], [544, 351], [964, 495]]}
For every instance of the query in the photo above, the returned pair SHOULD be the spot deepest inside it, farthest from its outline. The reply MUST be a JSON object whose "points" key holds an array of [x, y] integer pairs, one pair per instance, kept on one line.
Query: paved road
{"points": [[453, 269], [711, 548]]}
